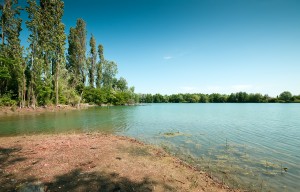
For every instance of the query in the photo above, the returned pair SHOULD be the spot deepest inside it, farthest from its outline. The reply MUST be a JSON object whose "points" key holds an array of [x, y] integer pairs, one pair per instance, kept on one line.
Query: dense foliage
{"points": [[44, 74], [240, 97]]}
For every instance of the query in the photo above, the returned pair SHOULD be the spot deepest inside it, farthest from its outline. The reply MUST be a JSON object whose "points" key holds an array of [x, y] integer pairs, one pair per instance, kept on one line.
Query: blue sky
{"points": [[205, 46]]}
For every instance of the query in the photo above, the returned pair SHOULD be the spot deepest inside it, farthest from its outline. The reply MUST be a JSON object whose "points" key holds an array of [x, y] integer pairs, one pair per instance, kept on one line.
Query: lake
{"points": [[255, 146]]}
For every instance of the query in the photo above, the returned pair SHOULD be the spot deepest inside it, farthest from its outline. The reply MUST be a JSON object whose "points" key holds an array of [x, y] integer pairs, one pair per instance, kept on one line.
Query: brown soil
{"points": [[4, 111], [94, 162]]}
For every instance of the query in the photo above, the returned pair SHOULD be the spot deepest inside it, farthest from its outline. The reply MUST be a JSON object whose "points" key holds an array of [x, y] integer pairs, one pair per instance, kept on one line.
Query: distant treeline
{"points": [[240, 97]]}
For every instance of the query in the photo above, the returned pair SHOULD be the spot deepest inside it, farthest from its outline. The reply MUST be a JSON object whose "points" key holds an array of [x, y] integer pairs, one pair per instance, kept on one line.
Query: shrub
{"points": [[6, 100]]}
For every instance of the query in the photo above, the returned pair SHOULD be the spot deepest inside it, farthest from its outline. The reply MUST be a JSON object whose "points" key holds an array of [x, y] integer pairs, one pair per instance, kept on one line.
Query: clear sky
{"points": [[203, 46]]}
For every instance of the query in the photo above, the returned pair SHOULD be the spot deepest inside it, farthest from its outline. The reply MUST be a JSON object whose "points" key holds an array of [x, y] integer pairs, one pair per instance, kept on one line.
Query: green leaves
{"points": [[76, 51], [91, 63], [110, 69], [120, 84], [106, 96], [5, 74], [286, 96], [239, 97], [12, 64], [47, 48], [99, 66], [43, 76]]}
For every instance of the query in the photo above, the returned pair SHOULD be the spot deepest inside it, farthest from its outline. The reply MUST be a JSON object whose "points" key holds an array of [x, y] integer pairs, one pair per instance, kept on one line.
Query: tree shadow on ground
{"points": [[6, 154], [10, 157], [77, 180]]}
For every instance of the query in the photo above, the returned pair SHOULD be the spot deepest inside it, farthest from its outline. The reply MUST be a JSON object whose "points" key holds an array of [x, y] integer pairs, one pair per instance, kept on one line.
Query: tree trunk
{"points": [[2, 34], [29, 94], [56, 88], [56, 83], [24, 90], [33, 99], [19, 95], [80, 99]]}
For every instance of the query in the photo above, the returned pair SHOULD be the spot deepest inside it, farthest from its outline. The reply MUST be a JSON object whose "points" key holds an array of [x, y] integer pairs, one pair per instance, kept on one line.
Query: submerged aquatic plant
{"points": [[230, 162], [174, 134]]}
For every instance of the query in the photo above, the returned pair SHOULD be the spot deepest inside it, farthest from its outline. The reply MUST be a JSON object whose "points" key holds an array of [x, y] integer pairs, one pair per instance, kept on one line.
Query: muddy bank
{"points": [[4, 111], [94, 162]]}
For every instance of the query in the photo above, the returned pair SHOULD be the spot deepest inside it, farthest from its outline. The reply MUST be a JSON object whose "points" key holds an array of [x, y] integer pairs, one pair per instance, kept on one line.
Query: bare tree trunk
{"points": [[24, 90], [2, 34], [80, 99], [56, 88], [19, 95], [29, 95], [33, 99], [56, 82]]}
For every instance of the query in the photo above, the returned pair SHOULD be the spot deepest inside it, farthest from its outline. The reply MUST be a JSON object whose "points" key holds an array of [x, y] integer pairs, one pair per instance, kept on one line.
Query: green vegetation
{"points": [[42, 74], [240, 97], [286, 96]]}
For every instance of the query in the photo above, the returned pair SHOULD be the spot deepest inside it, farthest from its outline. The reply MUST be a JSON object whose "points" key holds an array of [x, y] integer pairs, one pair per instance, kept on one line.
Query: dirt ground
{"points": [[94, 162], [4, 111]]}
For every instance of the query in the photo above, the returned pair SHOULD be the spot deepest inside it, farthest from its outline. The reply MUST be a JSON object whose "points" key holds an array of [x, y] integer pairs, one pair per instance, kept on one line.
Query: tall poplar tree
{"points": [[34, 56], [44, 76], [47, 46], [76, 52], [11, 47], [81, 54], [92, 61], [59, 39], [45, 41], [72, 60], [99, 66], [77, 56]]}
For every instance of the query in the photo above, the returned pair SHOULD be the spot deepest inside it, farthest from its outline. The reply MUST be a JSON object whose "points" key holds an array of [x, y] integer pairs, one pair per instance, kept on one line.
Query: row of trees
{"points": [[43, 73], [240, 97]]}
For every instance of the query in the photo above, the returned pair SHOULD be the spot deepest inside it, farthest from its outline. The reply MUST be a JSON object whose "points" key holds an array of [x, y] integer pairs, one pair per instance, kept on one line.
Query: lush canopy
{"points": [[44, 74]]}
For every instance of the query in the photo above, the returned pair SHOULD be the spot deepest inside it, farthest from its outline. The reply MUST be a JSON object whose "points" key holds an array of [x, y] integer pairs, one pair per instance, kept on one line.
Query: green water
{"points": [[245, 145]]}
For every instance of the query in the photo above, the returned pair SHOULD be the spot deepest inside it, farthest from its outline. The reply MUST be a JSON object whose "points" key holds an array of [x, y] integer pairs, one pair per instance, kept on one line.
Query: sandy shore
{"points": [[94, 162]]}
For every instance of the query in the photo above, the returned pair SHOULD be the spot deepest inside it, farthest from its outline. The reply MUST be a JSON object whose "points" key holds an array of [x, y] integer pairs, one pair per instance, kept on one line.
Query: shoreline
{"points": [[95, 161], [13, 110], [29, 110]]}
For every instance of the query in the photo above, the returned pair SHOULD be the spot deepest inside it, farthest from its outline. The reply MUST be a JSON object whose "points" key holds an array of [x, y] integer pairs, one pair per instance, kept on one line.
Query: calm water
{"points": [[256, 146]]}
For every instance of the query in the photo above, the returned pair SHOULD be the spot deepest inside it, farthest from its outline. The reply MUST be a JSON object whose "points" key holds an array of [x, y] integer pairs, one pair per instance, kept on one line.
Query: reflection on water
{"points": [[256, 146], [96, 119]]}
